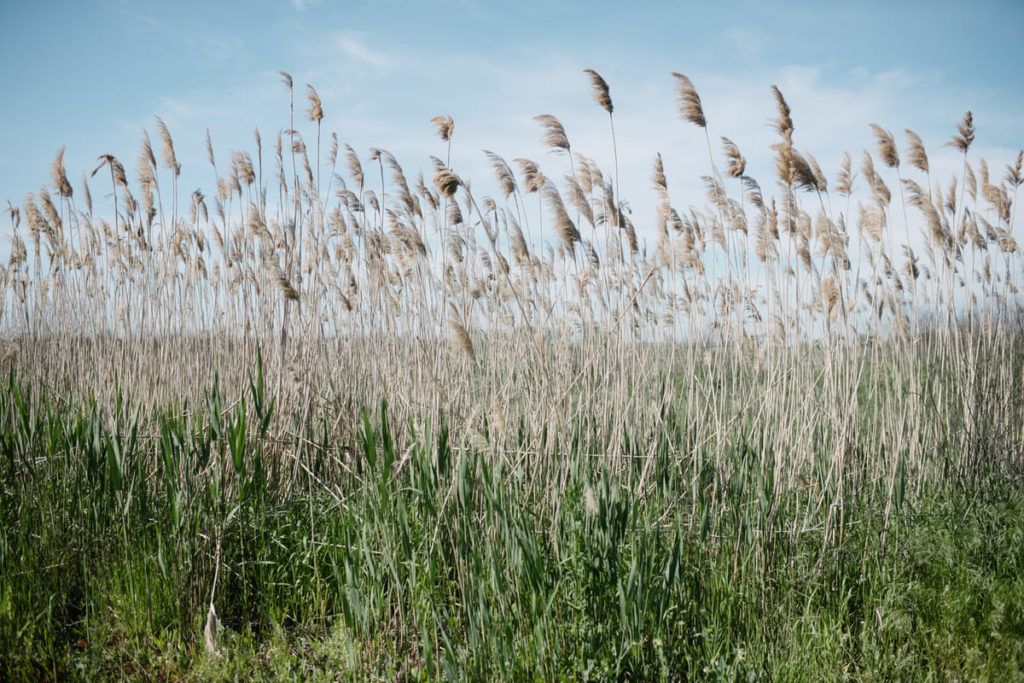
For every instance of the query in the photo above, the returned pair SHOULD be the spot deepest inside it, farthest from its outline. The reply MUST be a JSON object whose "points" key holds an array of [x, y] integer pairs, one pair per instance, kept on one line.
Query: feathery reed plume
{"points": [[445, 179], [534, 179], [199, 206], [918, 197], [658, 178], [354, 167], [784, 123], [886, 146], [966, 129], [503, 173], [600, 87], [86, 194], [970, 181], [554, 133], [688, 100], [753, 191], [462, 338], [285, 285], [59, 176], [170, 160], [563, 224], [115, 168], [209, 150], [1015, 173], [316, 110], [445, 127], [801, 174], [879, 190], [286, 78], [517, 243], [871, 220], [737, 162], [15, 214], [821, 184], [146, 163], [579, 199], [241, 164], [915, 151], [829, 292]]}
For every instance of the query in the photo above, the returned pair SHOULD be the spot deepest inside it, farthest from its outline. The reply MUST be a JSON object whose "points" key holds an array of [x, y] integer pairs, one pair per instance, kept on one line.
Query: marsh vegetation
{"points": [[325, 421]]}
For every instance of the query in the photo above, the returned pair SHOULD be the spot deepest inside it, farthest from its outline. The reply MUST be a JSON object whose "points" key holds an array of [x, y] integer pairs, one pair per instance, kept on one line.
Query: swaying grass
{"points": [[327, 427], [439, 562]]}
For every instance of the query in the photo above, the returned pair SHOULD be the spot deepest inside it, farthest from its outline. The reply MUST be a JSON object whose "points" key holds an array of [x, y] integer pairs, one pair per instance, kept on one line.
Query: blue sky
{"points": [[92, 74]]}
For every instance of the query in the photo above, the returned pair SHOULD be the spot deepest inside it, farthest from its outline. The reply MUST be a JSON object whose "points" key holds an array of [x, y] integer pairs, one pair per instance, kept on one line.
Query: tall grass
{"points": [[597, 458]]}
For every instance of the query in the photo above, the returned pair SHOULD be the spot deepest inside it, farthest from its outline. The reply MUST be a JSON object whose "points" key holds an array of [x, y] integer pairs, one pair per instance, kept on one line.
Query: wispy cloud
{"points": [[354, 46], [302, 5]]}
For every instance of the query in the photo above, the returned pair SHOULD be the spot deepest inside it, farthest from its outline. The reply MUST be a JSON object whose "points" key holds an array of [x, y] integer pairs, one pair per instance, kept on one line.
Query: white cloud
{"points": [[353, 45]]}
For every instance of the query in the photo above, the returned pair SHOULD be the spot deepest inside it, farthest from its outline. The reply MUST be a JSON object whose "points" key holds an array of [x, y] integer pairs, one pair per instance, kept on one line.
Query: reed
{"points": [[412, 410]]}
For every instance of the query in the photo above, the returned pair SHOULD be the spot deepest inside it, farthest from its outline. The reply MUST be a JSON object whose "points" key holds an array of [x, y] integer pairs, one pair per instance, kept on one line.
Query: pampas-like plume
{"points": [[445, 179], [886, 146], [819, 177], [534, 179], [462, 338], [784, 122], [517, 243], [115, 166], [579, 199], [966, 128], [872, 221], [802, 175], [658, 178], [59, 176], [445, 127], [753, 190], [285, 285], [1015, 174], [354, 167], [601, 94], [917, 197], [503, 173], [563, 224], [829, 292], [915, 151], [737, 162], [879, 190], [146, 163], [316, 110], [241, 164], [86, 193], [554, 133], [167, 152], [690, 108], [209, 149]]}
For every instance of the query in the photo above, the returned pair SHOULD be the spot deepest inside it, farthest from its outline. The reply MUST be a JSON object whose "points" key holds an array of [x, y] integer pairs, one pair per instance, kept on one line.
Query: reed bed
{"points": [[339, 378]]}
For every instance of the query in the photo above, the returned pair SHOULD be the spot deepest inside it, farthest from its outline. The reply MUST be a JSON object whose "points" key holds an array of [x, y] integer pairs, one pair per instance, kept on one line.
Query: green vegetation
{"points": [[439, 562], [359, 429]]}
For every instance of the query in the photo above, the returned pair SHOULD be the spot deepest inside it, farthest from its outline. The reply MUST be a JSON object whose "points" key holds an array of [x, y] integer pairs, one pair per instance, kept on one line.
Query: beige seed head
{"points": [[690, 108], [316, 110], [445, 127], [600, 88], [554, 133], [886, 146]]}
